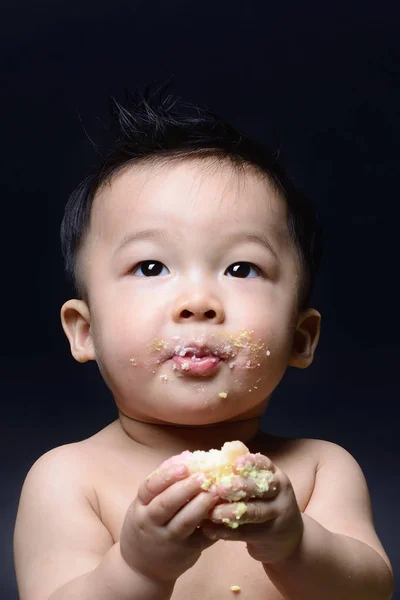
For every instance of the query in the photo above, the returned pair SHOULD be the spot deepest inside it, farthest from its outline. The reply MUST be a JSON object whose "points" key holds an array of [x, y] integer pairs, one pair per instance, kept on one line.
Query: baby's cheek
{"points": [[254, 371]]}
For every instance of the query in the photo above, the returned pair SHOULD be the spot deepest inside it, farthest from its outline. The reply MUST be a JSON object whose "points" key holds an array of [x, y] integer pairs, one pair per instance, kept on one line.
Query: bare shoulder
{"points": [[58, 534], [63, 466], [290, 450], [340, 501]]}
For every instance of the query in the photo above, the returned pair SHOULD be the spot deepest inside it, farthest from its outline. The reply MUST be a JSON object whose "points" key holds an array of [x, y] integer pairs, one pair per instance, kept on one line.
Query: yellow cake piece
{"points": [[216, 466]]}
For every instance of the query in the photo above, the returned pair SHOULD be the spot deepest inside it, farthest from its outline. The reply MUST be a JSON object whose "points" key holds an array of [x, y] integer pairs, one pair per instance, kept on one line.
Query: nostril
{"points": [[211, 314]]}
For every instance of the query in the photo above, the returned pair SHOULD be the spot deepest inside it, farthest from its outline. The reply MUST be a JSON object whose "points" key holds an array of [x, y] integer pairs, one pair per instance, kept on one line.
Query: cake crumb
{"points": [[133, 362], [235, 588], [223, 394], [185, 366], [268, 353], [157, 345], [151, 474], [164, 378]]}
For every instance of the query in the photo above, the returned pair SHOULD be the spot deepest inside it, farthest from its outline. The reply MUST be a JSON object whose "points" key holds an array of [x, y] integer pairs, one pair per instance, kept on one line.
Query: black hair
{"points": [[159, 126]]}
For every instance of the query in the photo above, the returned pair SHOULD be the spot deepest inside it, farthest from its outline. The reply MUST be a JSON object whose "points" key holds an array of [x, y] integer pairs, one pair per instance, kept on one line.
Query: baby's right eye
{"points": [[149, 268]]}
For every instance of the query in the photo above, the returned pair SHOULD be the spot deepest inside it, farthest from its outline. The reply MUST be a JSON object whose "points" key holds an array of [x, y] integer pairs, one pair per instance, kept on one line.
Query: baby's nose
{"points": [[199, 307]]}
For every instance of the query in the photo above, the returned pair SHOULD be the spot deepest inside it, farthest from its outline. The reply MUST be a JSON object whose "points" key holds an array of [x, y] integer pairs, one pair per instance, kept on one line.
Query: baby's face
{"points": [[193, 280]]}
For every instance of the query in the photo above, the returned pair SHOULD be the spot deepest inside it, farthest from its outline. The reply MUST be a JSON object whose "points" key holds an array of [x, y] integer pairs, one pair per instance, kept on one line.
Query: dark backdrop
{"points": [[325, 78]]}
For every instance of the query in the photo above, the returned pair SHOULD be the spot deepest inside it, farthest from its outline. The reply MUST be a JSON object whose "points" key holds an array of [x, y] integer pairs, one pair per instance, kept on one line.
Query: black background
{"points": [[323, 76]]}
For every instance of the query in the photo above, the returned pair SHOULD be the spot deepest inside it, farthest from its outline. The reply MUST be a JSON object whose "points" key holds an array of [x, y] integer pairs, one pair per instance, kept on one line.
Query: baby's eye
{"points": [[150, 268], [243, 270]]}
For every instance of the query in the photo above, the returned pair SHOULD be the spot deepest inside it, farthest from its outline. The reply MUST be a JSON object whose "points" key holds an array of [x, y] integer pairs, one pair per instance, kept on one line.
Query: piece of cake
{"points": [[217, 466]]}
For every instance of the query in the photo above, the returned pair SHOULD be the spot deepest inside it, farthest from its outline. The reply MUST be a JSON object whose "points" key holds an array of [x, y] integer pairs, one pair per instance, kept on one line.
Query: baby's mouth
{"points": [[196, 361], [203, 356]]}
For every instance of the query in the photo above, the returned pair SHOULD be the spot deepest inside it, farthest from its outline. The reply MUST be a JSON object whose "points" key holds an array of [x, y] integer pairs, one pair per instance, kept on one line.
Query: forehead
{"points": [[204, 194]]}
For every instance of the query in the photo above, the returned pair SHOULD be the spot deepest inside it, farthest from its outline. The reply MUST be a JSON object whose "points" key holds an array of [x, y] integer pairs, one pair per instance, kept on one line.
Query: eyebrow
{"points": [[160, 235], [144, 234], [257, 238]]}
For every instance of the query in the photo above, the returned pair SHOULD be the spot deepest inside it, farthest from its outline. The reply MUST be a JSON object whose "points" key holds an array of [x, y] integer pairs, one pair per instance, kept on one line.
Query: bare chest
{"points": [[225, 564]]}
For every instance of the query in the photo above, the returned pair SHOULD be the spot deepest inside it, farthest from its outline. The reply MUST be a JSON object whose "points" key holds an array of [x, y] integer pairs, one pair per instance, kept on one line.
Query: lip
{"points": [[198, 365], [195, 350], [200, 349]]}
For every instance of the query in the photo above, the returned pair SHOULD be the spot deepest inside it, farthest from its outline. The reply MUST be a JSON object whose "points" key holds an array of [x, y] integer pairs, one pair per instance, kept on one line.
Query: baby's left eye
{"points": [[243, 270]]}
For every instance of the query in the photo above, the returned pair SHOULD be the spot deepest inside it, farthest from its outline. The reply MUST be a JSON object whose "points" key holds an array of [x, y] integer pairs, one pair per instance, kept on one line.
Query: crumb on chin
{"points": [[223, 394], [235, 588]]}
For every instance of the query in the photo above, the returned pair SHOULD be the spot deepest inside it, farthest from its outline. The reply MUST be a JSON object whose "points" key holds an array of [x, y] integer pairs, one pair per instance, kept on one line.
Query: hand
{"points": [[160, 536], [272, 525]]}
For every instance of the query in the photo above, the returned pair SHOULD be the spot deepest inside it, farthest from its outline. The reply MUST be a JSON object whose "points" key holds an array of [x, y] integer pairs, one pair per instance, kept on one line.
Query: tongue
{"points": [[196, 366]]}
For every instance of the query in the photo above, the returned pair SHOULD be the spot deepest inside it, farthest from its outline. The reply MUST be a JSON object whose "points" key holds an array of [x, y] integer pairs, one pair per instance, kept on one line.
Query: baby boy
{"points": [[193, 258]]}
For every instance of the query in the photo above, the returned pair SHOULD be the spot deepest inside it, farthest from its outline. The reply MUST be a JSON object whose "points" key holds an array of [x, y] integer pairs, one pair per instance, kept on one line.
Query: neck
{"points": [[173, 439]]}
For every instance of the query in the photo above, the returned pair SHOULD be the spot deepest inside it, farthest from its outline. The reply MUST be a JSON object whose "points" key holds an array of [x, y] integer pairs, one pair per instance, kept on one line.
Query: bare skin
{"points": [[223, 563], [193, 326], [64, 531]]}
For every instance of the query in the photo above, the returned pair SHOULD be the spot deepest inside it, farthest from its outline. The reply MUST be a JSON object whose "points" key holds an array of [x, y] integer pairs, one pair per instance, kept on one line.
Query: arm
{"points": [[331, 566], [62, 550], [113, 579], [331, 551], [340, 555]]}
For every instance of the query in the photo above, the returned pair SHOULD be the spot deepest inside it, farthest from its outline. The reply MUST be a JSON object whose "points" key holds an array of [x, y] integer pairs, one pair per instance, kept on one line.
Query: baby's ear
{"points": [[75, 319], [306, 338]]}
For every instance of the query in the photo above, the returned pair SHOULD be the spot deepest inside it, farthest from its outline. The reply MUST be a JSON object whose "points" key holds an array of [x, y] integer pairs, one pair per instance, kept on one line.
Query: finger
{"points": [[238, 513], [177, 459], [244, 487], [160, 480], [187, 520], [259, 461], [246, 532], [173, 499]]}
